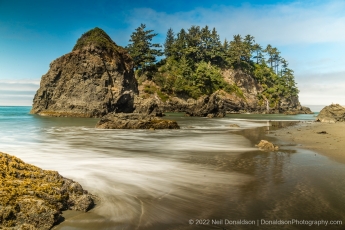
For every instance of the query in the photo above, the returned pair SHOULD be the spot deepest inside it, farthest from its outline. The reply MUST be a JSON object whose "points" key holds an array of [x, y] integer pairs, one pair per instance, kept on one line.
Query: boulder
{"points": [[331, 114], [149, 106], [267, 146], [94, 79], [207, 106], [32, 198], [134, 121]]}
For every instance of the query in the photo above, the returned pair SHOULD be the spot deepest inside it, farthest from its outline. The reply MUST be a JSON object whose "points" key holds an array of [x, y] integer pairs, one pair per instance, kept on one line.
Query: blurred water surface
{"points": [[162, 179]]}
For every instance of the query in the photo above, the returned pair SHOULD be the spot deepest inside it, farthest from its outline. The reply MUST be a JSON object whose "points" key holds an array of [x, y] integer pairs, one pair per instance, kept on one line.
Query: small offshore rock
{"points": [[135, 121], [234, 125], [267, 146]]}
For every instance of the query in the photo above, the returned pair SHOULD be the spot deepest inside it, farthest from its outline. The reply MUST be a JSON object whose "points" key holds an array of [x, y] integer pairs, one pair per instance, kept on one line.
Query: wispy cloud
{"points": [[298, 22], [18, 92], [322, 88]]}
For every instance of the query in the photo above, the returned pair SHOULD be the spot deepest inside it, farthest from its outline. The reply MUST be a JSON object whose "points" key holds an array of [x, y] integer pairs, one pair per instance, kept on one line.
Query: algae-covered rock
{"points": [[267, 146], [135, 121], [33, 198]]}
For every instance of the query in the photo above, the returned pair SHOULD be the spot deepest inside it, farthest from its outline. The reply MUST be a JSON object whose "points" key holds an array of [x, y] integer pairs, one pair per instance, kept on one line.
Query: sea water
{"points": [[207, 175]]}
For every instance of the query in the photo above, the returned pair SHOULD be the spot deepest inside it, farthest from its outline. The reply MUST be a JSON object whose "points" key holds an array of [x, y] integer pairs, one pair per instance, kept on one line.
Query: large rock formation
{"points": [[332, 113], [32, 198], [94, 79]]}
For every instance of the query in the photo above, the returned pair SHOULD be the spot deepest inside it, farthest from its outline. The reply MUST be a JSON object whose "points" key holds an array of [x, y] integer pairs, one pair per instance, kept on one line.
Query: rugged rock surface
{"points": [[94, 79], [332, 113], [149, 106], [210, 106], [267, 146], [32, 198], [221, 102], [134, 121]]}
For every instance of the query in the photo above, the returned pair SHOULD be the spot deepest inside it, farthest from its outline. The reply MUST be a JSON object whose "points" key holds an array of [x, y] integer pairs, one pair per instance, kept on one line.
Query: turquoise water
{"points": [[163, 179], [274, 117]]}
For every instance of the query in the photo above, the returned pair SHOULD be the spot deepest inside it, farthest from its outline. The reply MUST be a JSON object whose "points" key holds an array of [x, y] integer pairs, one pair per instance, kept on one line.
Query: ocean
{"points": [[207, 175]]}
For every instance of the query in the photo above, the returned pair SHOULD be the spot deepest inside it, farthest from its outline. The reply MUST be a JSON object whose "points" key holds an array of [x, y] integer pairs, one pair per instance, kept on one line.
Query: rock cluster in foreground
{"points": [[331, 114], [33, 198], [134, 121], [267, 146]]}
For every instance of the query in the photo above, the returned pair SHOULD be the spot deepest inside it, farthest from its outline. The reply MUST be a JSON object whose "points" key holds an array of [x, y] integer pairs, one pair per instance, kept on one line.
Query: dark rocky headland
{"points": [[33, 198], [97, 79]]}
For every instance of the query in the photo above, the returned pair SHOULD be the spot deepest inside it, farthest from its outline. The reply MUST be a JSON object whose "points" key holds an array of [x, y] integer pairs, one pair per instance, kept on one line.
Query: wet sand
{"points": [[324, 138]]}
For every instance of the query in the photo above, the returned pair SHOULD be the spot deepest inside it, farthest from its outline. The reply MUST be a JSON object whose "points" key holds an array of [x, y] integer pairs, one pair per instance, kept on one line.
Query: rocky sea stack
{"points": [[33, 198], [94, 79]]}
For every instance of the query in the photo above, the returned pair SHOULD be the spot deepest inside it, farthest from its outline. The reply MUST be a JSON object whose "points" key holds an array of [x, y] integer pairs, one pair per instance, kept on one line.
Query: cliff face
{"points": [[94, 79], [245, 99]]}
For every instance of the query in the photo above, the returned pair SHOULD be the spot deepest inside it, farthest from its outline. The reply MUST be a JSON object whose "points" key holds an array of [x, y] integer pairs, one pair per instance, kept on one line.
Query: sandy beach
{"points": [[324, 138]]}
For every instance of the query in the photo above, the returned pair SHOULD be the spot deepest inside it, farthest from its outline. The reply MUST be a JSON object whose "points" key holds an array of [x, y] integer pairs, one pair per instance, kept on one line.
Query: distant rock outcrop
{"points": [[331, 114], [32, 198], [94, 79], [134, 121]]}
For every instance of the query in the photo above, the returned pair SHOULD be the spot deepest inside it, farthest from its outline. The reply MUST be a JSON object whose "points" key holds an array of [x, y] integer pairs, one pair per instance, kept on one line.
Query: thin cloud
{"points": [[19, 85], [18, 92], [279, 24]]}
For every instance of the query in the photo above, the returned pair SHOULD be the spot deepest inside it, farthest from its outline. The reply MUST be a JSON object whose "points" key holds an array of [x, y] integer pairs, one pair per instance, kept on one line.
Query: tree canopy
{"points": [[195, 58], [141, 48]]}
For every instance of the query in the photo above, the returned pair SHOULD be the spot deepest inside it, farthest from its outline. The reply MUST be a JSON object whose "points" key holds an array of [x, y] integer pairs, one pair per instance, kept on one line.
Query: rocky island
{"points": [[99, 78], [33, 198]]}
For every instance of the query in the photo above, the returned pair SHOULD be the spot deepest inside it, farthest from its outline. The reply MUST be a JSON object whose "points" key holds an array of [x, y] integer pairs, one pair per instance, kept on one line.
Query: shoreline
{"points": [[324, 138]]}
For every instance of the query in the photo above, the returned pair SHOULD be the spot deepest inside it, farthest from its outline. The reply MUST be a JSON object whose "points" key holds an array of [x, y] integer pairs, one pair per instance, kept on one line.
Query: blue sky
{"points": [[309, 34]]}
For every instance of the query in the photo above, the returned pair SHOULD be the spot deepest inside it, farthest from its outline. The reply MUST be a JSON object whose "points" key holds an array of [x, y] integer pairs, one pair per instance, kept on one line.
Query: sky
{"points": [[309, 34]]}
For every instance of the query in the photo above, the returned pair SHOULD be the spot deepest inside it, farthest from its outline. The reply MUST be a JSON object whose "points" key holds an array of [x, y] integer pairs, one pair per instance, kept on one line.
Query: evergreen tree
{"points": [[258, 53], [269, 51], [169, 42], [248, 47], [180, 45], [216, 48], [142, 50], [193, 51]]}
